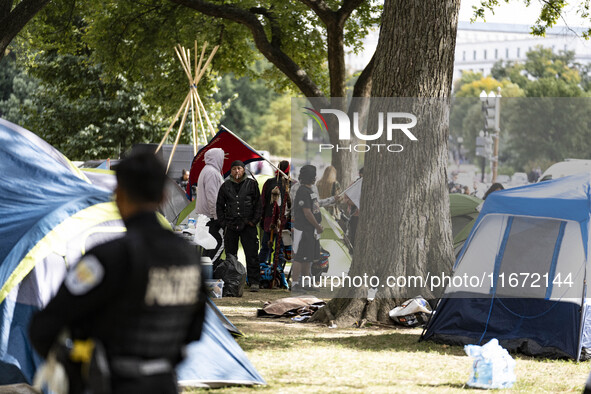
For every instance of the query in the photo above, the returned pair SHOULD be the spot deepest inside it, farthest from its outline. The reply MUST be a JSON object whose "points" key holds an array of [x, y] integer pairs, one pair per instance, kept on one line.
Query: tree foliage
{"points": [[551, 12], [14, 15], [533, 130], [275, 135], [304, 40], [15, 90], [247, 101], [85, 116], [65, 100]]}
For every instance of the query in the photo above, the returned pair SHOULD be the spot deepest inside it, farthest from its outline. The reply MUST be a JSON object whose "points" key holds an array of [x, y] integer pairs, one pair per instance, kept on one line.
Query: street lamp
{"points": [[491, 108]]}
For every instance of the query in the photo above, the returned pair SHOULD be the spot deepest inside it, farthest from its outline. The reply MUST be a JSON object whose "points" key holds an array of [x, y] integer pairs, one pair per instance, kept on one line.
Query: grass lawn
{"points": [[311, 358]]}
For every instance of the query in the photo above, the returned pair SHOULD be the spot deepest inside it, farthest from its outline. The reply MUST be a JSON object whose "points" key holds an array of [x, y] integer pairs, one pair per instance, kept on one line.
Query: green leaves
{"points": [[545, 115]]}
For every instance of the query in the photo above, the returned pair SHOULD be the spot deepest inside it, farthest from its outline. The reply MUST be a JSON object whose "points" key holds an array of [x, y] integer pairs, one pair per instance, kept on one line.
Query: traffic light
{"points": [[489, 116], [484, 145], [490, 110]]}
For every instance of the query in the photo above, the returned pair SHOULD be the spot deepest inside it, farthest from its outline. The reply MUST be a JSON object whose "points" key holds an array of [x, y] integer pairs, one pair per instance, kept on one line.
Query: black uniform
{"points": [[306, 246], [141, 296], [239, 209]]}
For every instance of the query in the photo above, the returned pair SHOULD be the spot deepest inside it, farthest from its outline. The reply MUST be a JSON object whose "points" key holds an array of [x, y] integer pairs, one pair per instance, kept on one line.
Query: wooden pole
{"points": [[178, 136], [192, 99], [187, 71], [200, 60], [196, 67], [193, 125], [211, 129], [176, 117], [195, 97], [207, 63]]}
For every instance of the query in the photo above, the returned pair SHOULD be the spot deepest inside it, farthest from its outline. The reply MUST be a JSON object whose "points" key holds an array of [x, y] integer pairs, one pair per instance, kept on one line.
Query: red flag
{"points": [[234, 149]]}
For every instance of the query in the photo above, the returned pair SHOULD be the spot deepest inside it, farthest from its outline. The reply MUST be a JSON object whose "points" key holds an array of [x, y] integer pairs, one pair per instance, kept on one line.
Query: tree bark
{"points": [[12, 20], [405, 227]]}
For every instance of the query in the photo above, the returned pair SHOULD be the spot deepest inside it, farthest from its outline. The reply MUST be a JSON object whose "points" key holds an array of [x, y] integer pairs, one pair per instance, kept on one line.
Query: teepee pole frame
{"points": [[192, 101]]}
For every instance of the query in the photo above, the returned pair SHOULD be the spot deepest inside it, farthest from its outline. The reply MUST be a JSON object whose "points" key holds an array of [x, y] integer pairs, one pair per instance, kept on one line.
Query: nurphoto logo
{"points": [[393, 123]]}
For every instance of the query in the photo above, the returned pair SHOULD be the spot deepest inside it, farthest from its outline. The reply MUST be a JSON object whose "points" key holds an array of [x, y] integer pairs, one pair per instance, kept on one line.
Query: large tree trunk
{"points": [[404, 225]]}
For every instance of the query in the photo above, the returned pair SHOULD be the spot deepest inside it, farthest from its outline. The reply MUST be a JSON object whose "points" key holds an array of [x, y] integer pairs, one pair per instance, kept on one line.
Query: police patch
{"points": [[301, 203], [87, 274]]}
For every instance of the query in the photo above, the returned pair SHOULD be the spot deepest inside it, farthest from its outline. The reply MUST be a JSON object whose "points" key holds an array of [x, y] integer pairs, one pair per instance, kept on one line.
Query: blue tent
{"points": [[522, 276], [50, 214]]}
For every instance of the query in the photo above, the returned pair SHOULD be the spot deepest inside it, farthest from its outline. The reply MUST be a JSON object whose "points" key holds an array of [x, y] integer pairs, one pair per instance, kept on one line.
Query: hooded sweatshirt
{"points": [[209, 183]]}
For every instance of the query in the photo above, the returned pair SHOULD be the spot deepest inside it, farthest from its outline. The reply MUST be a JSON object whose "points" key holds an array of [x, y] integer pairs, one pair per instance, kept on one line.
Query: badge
{"points": [[301, 203], [87, 274]]}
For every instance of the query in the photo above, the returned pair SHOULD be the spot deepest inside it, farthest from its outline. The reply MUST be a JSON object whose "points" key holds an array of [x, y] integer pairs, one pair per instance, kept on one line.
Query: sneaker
{"points": [[255, 288]]}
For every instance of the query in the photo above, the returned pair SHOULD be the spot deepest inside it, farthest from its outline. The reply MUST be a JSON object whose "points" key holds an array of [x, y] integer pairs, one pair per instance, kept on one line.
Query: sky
{"points": [[517, 13]]}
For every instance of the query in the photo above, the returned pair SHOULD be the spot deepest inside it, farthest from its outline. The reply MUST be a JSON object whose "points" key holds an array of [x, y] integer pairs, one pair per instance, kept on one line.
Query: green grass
{"points": [[312, 358]]}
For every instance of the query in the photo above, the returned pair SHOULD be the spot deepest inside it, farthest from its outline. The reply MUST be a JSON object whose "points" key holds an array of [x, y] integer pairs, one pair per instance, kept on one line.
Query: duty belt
{"points": [[135, 367]]}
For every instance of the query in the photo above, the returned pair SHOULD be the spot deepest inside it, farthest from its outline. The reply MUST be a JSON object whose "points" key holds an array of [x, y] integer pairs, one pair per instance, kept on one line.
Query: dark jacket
{"points": [[141, 295], [239, 203]]}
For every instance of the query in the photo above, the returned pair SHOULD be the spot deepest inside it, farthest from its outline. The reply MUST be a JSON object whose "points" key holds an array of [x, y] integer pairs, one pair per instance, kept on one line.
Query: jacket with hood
{"points": [[209, 182]]}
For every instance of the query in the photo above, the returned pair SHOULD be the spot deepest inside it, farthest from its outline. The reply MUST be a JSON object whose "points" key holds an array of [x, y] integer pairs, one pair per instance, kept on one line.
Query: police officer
{"points": [[141, 295], [239, 210]]}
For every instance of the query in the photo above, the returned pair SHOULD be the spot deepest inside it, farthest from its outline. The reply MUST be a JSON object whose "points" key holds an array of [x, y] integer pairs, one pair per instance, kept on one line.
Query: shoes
{"points": [[255, 288]]}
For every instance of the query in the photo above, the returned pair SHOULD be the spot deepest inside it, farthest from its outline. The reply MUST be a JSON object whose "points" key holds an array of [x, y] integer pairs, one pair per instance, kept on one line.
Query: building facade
{"points": [[480, 45]]}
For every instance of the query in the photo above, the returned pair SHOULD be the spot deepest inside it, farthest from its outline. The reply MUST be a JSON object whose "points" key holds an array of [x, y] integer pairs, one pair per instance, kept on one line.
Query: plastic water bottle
{"points": [[192, 223], [207, 267]]}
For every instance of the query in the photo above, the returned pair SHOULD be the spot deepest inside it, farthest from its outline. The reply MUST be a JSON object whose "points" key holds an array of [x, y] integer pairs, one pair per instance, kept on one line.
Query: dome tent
{"points": [[50, 214], [522, 275]]}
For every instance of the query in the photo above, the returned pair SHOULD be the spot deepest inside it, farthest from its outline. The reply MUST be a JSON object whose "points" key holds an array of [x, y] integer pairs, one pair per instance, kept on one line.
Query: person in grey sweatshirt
{"points": [[208, 186]]}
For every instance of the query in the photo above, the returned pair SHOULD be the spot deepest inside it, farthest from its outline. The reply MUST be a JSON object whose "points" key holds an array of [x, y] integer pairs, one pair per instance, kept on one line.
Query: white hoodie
{"points": [[209, 183]]}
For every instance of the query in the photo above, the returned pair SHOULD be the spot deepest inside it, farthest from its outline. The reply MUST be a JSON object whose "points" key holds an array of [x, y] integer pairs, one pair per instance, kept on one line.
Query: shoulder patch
{"points": [[87, 274], [301, 203]]}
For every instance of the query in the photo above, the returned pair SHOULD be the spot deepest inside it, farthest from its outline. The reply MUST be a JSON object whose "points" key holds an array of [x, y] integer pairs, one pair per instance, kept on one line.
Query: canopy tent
{"points": [[50, 214], [522, 275]]}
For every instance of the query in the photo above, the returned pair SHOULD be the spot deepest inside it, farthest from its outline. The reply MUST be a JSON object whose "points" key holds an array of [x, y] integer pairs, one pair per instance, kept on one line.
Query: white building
{"points": [[480, 45]]}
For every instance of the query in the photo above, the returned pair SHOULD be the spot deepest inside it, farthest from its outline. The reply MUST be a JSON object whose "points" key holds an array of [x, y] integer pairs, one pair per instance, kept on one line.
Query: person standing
{"points": [[275, 212], [140, 296], [307, 227], [239, 210], [208, 185], [328, 186], [184, 179]]}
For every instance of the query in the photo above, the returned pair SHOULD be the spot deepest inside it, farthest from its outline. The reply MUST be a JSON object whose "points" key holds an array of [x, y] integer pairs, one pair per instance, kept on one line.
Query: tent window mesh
{"points": [[527, 258]]}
